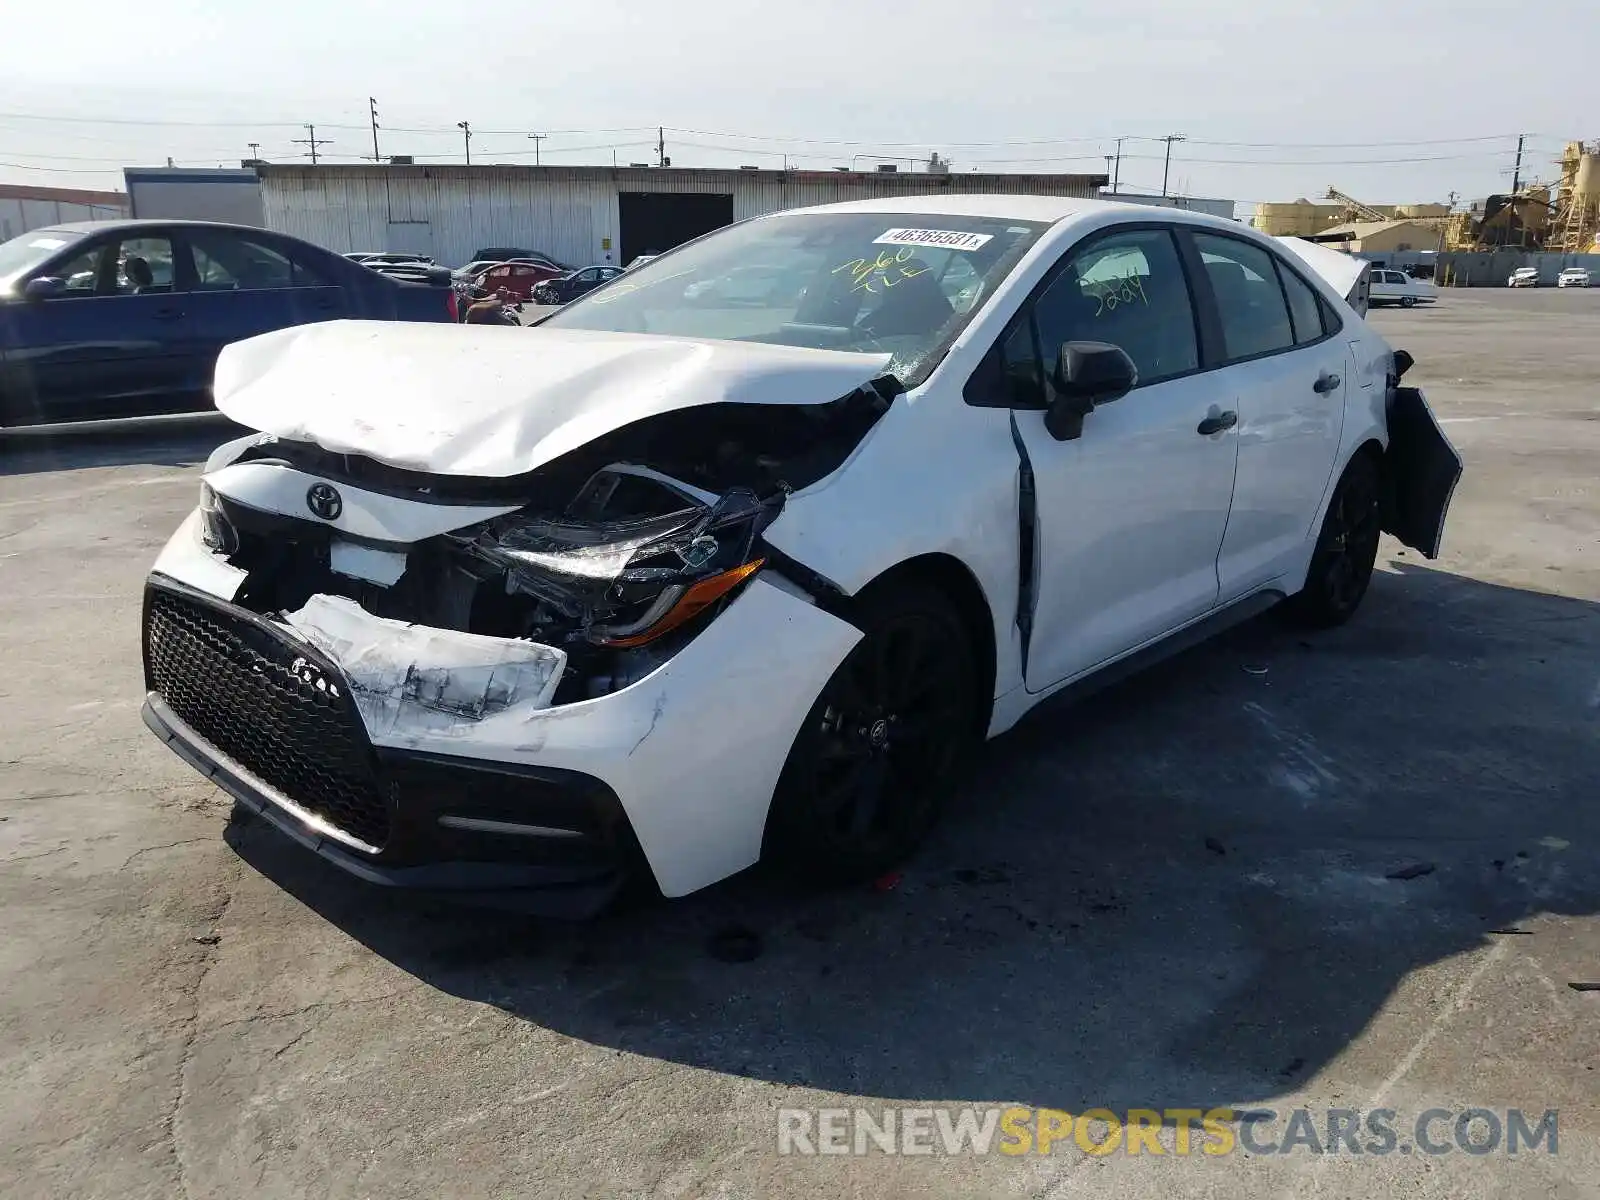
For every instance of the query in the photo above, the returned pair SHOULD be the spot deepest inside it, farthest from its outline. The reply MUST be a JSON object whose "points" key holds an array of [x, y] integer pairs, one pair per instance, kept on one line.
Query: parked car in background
{"points": [[664, 587], [471, 270], [518, 277], [507, 253], [126, 318], [568, 287], [412, 272], [1396, 287], [376, 257], [1573, 277], [1524, 277]]}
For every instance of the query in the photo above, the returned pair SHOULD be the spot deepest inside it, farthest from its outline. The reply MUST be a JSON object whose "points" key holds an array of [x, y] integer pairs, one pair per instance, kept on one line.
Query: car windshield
{"points": [[21, 254], [879, 282]]}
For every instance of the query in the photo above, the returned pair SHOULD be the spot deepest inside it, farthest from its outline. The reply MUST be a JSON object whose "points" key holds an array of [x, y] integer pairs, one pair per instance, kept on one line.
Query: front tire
{"points": [[882, 747], [1347, 549], [1408, 302]]}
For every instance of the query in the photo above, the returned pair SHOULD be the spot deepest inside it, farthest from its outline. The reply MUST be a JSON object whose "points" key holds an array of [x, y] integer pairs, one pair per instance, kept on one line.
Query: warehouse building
{"points": [[579, 215], [1382, 237], [24, 206]]}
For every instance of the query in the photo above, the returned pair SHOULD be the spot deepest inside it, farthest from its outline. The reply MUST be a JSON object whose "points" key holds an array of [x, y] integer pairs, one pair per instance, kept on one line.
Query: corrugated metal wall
{"points": [[569, 212], [17, 216]]}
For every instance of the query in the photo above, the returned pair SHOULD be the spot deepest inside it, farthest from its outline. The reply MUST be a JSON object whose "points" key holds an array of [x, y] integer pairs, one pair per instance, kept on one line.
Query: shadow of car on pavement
{"points": [[1176, 893]]}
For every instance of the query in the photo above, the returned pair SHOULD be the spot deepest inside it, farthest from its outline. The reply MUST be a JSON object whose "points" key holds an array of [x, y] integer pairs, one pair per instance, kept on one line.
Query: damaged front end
{"points": [[610, 565], [326, 627]]}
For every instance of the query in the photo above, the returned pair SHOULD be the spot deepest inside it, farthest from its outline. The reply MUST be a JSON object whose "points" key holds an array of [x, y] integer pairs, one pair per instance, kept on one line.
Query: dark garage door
{"points": [[655, 222]]}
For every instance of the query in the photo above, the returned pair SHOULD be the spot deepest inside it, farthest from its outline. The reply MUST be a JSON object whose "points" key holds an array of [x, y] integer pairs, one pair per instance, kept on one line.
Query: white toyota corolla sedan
{"points": [[672, 582]]}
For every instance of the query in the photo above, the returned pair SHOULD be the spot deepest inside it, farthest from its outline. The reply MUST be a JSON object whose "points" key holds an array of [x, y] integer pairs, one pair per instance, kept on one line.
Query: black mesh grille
{"points": [[232, 682]]}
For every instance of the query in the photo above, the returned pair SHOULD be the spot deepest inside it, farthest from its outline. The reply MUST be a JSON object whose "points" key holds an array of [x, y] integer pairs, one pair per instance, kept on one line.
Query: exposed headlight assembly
{"points": [[216, 531], [627, 581]]}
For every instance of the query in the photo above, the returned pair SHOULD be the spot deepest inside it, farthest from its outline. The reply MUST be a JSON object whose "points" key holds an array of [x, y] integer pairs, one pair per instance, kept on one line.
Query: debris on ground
{"points": [[1584, 985], [1215, 846], [1254, 669], [888, 881], [1414, 870], [207, 939]]}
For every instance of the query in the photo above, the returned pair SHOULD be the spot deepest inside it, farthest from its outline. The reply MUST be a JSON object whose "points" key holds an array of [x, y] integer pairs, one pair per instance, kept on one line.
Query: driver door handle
{"points": [[168, 313], [1326, 382], [1217, 423]]}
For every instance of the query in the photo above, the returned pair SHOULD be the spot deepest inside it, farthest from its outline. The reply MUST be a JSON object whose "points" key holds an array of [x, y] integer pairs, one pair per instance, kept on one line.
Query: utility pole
{"points": [[1116, 177], [312, 140], [1516, 173], [466, 138], [255, 149], [661, 146], [1166, 170], [372, 106], [537, 138]]}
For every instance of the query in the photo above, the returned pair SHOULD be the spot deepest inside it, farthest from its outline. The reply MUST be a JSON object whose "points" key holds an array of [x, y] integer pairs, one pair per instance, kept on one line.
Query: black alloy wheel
{"points": [[881, 747], [1347, 549]]}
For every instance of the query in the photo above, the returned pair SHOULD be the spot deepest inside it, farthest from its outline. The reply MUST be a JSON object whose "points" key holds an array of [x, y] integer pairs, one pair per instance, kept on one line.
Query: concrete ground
{"points": [[1176, 894]]}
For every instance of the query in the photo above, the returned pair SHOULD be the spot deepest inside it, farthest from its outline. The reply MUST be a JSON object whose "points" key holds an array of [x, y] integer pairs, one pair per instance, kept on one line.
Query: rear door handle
{"points": [[1326, 382], [1217, 423], [168, 314]]}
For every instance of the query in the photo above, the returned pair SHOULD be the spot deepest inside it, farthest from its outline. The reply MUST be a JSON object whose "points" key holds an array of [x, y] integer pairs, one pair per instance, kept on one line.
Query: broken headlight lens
{"points": [[628, 582], [216, 531]]}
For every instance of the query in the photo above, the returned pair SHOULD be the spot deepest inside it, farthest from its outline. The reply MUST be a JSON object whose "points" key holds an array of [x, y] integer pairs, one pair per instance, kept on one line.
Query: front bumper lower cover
{"points": [[271, 723]]}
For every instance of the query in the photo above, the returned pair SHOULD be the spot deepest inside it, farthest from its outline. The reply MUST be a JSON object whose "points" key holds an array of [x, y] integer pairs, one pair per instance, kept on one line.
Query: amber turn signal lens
{"points": [[690, 605]]}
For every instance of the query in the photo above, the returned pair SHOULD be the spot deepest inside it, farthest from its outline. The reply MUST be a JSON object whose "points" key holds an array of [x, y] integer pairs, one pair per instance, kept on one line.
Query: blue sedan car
{"points": [[126, 318]]}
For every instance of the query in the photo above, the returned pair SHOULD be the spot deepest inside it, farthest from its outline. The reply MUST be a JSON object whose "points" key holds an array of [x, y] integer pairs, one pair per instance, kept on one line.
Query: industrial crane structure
{"points": [[1355, 210]]}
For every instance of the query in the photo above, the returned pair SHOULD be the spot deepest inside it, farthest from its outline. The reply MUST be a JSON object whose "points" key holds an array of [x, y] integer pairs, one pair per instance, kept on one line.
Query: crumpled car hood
{"points": [[494, 401]]}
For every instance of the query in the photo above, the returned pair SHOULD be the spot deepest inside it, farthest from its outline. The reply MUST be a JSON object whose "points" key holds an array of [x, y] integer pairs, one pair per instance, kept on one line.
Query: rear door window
{"points": [[226, 262], [1250, 302], [1304, 311]]}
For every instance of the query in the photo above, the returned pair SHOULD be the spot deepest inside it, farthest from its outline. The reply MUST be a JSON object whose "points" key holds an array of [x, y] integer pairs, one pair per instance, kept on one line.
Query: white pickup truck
{"points": [[1396, 287]]}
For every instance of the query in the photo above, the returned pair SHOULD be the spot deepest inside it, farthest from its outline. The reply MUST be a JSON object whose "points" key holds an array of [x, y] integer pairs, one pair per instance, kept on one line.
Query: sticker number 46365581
{"points": [[941, 239]]}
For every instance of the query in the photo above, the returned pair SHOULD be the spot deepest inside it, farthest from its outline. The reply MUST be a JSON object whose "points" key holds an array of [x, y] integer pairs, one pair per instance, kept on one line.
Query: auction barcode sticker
{"points": [[942, 239]]}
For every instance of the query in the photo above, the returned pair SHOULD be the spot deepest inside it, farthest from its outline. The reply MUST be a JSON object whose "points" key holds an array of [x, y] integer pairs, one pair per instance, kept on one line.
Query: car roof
{"points": [[1047, 209], [146, 223]]}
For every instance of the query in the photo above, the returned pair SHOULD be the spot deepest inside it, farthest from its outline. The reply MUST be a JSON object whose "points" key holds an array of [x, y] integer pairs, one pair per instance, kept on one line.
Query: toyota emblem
{"points": [[324, 501]]}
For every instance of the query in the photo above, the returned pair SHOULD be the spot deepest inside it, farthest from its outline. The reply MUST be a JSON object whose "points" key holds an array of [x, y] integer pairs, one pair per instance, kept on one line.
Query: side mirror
{"points": [[44, 287], [1087, 375], [1403, 362]]}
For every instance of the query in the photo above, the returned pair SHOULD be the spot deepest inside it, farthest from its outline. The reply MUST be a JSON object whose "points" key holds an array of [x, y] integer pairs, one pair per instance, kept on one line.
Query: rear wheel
{"points": [[1408, 301], [878, 754], [1347, 549]]}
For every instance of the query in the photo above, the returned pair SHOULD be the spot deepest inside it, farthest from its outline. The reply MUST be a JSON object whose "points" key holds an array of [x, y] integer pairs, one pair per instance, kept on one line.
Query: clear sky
{"points": [[1390, 100]]}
